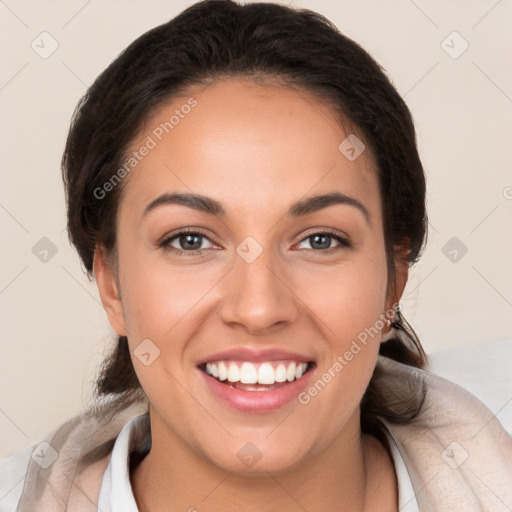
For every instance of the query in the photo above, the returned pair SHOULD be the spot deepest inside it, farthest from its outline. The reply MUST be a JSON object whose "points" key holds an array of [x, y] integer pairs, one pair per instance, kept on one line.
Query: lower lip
{"points": [[257, 401]]}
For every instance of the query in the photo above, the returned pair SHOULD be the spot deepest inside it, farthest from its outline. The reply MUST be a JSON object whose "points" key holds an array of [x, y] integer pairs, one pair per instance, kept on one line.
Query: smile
{"points": [[256, 373], [256, 387]]}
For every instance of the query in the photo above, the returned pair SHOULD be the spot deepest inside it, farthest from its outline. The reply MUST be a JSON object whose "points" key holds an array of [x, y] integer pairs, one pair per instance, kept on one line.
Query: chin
{"points": [[249, 460]]}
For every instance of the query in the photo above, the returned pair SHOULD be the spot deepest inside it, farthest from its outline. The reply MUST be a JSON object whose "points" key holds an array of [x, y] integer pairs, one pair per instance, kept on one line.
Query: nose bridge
{"points": [[256, 295]]}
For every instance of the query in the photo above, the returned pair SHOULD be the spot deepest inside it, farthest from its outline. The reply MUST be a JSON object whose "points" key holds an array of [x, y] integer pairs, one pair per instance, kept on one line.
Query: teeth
{"points": [[249, 373], [266, 374], [233, 373], [280, 373], [290, 372], [223, 371]]}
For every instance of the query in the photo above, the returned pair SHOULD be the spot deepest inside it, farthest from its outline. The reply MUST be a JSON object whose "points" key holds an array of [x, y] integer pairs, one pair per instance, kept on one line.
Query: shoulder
{"points": [[87, 485], [83, 445], [13, 470], [484, 370], [458, 448]]}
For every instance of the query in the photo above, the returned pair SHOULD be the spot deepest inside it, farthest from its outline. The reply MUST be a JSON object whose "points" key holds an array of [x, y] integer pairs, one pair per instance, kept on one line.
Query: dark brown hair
{"points": [[211, 40]]}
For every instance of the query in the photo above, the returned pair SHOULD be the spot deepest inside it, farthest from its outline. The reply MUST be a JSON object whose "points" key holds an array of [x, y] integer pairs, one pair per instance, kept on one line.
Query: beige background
{"points": [[54, 331]]}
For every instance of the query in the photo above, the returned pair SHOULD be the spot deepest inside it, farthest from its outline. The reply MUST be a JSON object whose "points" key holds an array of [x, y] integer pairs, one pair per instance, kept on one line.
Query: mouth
{"points": [[256, 387], [263, 376]]}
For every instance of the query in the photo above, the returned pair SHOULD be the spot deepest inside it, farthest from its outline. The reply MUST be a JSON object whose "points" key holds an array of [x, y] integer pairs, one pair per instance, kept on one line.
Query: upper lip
{"points": [[255, 355]]}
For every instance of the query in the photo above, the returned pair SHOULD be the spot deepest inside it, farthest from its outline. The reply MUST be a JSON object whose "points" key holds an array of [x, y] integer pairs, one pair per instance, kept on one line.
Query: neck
{"points": [[355, 472]]}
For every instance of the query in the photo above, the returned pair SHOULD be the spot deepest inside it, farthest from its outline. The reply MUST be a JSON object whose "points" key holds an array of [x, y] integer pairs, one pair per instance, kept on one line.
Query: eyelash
{"points": [[165, 244]]}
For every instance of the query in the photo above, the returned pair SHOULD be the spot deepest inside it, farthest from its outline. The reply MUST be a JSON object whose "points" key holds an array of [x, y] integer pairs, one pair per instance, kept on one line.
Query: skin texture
{"points": [[256, 148]]}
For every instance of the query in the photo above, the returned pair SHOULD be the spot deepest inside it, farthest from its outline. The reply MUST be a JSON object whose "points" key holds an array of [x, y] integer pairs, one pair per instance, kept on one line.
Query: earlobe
{"points": [[108, 290]]}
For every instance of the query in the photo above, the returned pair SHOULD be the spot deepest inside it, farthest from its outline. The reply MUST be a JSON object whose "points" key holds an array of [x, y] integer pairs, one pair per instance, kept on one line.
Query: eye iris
{"points": [[185, 241], [326, 239]]}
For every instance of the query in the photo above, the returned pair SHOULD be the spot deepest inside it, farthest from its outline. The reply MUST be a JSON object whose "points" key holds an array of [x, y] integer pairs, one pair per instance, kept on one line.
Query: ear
{"points": [[401, 276], [108, 289]]}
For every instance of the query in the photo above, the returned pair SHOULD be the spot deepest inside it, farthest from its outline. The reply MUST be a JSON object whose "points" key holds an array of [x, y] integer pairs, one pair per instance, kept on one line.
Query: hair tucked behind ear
{"points": [[405, 347], [220, 38]]}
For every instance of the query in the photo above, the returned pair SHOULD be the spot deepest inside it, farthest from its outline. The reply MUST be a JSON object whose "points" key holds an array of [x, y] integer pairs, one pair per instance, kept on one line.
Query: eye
{"points": [[322, 240], [185, 242], [189, 242]]}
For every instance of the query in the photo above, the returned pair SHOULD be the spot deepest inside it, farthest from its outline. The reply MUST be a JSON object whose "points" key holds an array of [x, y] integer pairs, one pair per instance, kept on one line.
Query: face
{"points": [[251, 271]]}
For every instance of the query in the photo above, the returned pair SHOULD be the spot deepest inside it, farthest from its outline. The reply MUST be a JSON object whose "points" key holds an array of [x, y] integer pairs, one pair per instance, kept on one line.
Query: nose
{"points": [[258, 296]]}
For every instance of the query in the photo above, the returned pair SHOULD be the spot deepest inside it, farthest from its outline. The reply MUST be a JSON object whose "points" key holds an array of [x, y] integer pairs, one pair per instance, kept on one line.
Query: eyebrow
{"points": [[213, 207]]}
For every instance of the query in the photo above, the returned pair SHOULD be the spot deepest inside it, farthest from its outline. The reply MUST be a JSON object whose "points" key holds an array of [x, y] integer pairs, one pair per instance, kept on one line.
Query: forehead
{"points": [[250, 146]]}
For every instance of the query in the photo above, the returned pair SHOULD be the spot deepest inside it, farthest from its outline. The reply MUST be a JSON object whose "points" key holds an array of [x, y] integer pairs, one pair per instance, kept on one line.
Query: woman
{"points": [[244, 185]]}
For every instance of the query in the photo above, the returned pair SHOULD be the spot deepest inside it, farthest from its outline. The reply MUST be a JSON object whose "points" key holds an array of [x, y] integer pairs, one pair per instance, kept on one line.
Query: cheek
{"points": [[167, 304], [346, 298], [349, 298], [342, 299], [158, 297], [161, 304], [349, 304]]}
